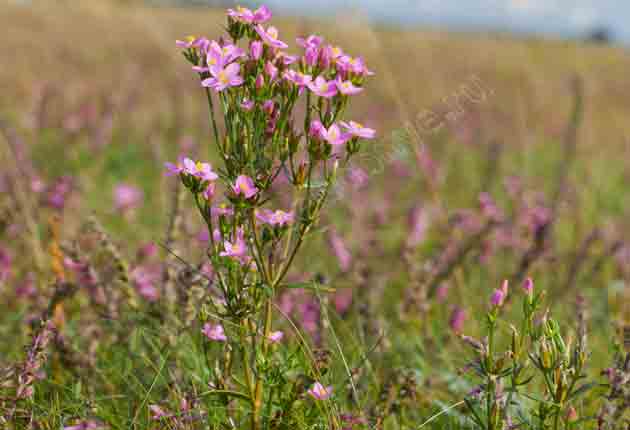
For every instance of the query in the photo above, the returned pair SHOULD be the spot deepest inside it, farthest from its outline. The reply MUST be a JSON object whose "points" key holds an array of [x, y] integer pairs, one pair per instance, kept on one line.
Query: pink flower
{"points": [[275, 336], [5, 264], [256, 49], [319, 392], [334, 136], [208, 193], [85, 425], [298, 78], [346, 63], [528, 286], [214, 332], [223, 78], [323, 88], [241, 14], [236, 249], [270, 37], [340, 250], [245, 185], [127, 197], [222, 209], [271, 71], [311, 41], [244, 15], [310, 56], [157, 413], [457, 319], [247, 105], [347, 88], [358, 130], [277, 217], [499, 295], [173, 169], [316, 129]]}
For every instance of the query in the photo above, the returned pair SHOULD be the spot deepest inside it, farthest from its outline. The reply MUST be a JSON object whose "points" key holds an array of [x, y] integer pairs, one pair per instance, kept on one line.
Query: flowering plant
{"points": [[256, 86]]}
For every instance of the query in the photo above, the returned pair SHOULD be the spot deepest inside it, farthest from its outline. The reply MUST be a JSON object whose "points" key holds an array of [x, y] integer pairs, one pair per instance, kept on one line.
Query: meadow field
{"points": [[467, 269]]}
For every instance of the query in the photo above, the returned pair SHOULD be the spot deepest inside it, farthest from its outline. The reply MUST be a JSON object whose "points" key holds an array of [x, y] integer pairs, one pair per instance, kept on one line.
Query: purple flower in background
{"points": [[242, 14], [275, 336], [358, 177], [343, 300], [323, 88], [147, 251], [5, 264], [208, 193], [418, 223], [57, 194], [499, 295], [358, 130], [270, 37], [27, 288], [214, 332], [457, 319], [86, 425], [319, 392], [528, 286], [127, 197], [145, 278], [339, 250], [223, 78], [245, 185]]}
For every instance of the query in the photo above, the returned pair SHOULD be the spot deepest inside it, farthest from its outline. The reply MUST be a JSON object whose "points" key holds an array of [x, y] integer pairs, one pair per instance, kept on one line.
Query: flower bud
{"points": [[256, 50]]}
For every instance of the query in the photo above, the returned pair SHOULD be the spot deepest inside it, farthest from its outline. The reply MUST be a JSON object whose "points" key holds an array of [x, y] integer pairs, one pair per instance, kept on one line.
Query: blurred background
{"points": [[485, 110]]}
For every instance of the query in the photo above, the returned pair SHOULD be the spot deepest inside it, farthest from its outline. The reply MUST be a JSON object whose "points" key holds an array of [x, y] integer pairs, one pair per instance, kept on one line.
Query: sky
{"points": [[562, 18]]}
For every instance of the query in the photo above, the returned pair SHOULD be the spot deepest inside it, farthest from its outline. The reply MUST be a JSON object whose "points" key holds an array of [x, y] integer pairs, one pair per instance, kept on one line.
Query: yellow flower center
{"points": [[272, 32], [223, 77]]}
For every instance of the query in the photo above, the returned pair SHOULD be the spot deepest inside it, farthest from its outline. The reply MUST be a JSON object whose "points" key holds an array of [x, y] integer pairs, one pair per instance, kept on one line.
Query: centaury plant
{"points": [[270, 147]]}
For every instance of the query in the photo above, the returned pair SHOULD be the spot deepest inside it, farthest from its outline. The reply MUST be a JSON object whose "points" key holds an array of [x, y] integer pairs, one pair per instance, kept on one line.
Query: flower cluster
{"points": [[251, 79]]}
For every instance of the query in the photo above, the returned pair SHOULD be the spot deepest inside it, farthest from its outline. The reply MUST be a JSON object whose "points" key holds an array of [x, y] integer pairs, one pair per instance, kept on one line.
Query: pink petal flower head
{"points": [[245, 185], [241, 14], [223, 78], [319, 392], [323, 88], [528, 286], [208, 193], [5, 264], [347, 88], [222, 210], [173, 169], [334, 136], [262, 14], [214, 332], [270, 37], [157, 413], [236, 249], [229, 53], [255, 49], [127, 197], [298, 78], [247, 105], [86, 425], [357, 66], [316, 129], [499, 295], [191, 42], [269, 107], [358, 130], [204, 172], [312, 41], [274, 218], [311, 55], [275, 336], [271, 71], [285, 59]]}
